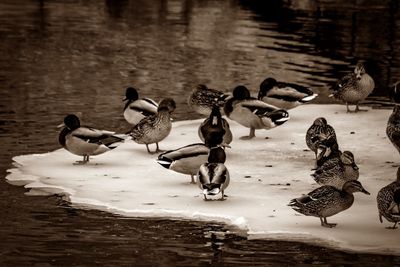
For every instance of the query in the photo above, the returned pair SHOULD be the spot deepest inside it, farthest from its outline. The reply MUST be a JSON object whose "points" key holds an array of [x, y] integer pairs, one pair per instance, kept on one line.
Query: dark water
{"points": [[65, 56]]}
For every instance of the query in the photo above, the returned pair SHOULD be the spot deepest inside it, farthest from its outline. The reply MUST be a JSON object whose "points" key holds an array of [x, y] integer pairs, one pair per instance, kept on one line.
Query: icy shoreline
{"points": [[265, 175]]}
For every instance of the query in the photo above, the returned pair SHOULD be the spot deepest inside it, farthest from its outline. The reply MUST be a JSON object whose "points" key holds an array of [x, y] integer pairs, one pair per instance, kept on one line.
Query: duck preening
{"points": [[154, 128], [354, 87], [137, 108], [213, 176], [327, 201], [318, 131], [284, 95], [213, 127], [327, 149], [203, 99], [86, 141], [388, 200], [253, 113]]}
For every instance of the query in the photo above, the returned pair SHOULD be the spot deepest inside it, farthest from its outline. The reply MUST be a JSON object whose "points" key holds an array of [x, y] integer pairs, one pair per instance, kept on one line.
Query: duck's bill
{"points": [[61, 125], [365, 192]]}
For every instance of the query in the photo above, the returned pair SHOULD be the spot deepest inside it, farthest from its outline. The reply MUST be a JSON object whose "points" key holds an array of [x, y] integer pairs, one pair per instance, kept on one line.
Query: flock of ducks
{"points": [[335, 171]]}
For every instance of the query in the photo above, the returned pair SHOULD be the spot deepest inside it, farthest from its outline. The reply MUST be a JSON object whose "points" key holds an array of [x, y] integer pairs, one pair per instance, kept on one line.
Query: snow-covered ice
{"points": [[265, 175]]}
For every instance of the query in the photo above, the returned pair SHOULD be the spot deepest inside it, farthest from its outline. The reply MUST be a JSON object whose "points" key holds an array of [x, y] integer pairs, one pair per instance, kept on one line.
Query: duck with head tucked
{"points": [[388, 200], [154, 128], [354, 87], [137, 108], [203, 99], [393, 124], [327, 149], [337, 171], [253, 113], [318, 131], [284, 95], [86, 141], [213, 176], [327, 201], [215, 125]]}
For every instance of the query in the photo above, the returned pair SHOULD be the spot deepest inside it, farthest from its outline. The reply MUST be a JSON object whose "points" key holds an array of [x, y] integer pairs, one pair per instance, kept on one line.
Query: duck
{"points": [[84, 140], [154, 128], [215, 125], [202, 99], [319, 130], [354, 87], [388, 201], [393, 124], [284, 95], [253, 113], [137, 108], [326, 201], [337, 171], [213, 176], [186, 160]]}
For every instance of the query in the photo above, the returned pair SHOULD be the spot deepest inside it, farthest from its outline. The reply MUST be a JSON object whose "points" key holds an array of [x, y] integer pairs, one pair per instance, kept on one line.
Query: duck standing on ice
{"points": [[284, 95], [137, 108], [154, 128], [354, 87], [86, 141], [253, 113]]}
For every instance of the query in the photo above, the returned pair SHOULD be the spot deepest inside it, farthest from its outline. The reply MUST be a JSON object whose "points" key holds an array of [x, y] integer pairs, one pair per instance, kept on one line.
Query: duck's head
{"points": [[71, 121], [321, 121], [241, 92], [266, 86], [394, 92], [131, 94], [353, 186], [217, 155], [167, 104], [348, 159], [359, 70]]}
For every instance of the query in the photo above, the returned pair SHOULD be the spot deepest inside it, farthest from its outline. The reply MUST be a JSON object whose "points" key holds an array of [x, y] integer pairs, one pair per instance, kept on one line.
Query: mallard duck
{"points": [[326, 201], [253, 113], [186, 160], [86, 141], [393, 124], [203, 99], [354, 87], [213, 177], [154, 128], [327, 149], [388, 200], [284, 95], [318, 131], [137, 108], [337, 171], [213, 126]]}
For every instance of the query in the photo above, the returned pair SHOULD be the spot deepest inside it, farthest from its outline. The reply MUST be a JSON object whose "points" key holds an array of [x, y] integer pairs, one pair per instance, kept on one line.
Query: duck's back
{"points": [[384, 199]]}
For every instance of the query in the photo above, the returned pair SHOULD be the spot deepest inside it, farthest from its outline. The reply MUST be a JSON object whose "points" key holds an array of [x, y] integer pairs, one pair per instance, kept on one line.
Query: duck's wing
{"points": [[323, 192], [330, 169], [209, 96], [203, 176], [291, 92], [346, 81], [141, 128], [186, 151], [145, 106], [257, 106], [92, 135]]}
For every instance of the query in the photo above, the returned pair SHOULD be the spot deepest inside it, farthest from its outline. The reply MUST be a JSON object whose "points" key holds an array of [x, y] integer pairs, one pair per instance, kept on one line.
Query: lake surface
{"points": [[65, 56]]}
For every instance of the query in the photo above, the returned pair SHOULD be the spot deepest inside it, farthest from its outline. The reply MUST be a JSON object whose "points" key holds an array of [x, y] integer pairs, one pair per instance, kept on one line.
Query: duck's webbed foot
{"points": [[324, 223], [82, 162], [250, 136]]}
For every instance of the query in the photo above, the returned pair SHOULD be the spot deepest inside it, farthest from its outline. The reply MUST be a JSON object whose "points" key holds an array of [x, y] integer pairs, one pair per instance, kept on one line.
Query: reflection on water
{"points": [[71, 56]]}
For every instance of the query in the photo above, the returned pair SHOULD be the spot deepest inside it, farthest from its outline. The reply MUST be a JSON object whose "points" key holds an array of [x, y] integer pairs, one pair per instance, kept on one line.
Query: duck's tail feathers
{"points": [[113, 141], [308, 98], [211, 189], [164, 161], [279, 116]]}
